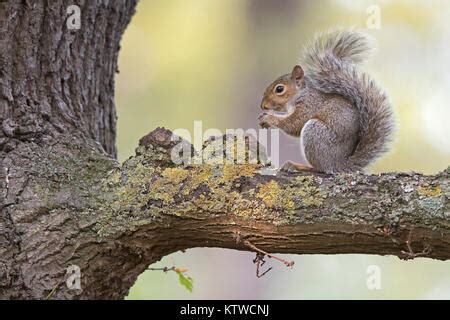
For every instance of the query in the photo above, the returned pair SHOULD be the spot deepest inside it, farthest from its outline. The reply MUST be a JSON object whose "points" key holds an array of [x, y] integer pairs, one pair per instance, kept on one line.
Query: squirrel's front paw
{"points": [[267, 121]]}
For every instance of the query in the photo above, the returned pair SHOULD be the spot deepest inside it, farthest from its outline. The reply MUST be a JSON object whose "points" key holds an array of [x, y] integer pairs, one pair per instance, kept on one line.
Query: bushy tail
{"points": [[331, 66]]}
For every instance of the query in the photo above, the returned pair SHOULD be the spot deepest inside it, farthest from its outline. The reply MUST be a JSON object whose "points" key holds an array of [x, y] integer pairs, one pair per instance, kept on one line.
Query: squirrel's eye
{"points": [[280, 89]]}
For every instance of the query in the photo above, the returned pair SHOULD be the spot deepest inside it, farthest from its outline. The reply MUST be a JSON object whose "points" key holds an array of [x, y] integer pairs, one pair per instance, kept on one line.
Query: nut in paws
{"points": [[267, 121]]}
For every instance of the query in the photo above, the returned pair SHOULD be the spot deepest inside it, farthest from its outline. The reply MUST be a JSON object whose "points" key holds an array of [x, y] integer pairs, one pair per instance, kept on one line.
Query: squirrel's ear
{"points": [[297, 73]]}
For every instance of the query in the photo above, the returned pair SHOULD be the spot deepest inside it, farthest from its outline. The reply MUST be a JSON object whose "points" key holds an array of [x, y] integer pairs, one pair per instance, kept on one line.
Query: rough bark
{"points": [[66, 201], [54, 82]]}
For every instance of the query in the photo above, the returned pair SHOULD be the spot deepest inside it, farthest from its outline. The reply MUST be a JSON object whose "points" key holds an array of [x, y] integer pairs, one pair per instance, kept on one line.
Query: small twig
{"points": [[183, 279], [288, 264], [388, 231], [410, 254], [165, 269], [259, 260]]}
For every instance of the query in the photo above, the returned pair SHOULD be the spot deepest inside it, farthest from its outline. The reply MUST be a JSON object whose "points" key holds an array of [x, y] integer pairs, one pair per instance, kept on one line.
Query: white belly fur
{"points": [[302, 145]]}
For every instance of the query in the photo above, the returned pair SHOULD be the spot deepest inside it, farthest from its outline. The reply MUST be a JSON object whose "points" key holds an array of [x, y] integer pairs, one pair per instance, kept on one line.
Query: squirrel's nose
{"points": [[264, 106]]}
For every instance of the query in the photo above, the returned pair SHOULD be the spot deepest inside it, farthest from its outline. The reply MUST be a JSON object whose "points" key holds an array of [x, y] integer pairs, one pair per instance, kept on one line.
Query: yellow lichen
{"points": [[175, 175], [166, 187], [288, 204], [127, 195], [199, 175], [430, 191], [270, 193], [302, 191], [231, 172], [316, 200], [310, 194], [303, 180]]}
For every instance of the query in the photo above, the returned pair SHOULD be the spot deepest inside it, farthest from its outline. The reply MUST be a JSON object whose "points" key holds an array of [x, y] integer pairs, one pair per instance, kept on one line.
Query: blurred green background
{"points": [[206, 60]]}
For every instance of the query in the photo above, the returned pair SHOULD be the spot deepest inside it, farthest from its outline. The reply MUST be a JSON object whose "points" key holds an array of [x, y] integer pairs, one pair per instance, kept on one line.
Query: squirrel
{"points": [[343, 119]]}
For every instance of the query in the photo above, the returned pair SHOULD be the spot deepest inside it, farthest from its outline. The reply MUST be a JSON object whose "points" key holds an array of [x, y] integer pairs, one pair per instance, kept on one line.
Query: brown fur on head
{"points": [[281, 94]]}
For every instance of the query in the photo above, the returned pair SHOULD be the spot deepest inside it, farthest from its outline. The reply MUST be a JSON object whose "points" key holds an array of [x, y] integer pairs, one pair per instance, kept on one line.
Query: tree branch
{"points": [[302, 213], [118, 220]]}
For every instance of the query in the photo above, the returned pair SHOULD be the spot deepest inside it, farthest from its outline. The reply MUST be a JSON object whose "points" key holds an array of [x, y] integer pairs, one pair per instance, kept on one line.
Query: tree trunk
{"points": [[66, 202], [56, 85]]}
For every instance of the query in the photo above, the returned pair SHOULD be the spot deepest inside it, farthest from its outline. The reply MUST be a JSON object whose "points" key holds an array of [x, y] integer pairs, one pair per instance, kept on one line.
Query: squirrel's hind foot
{"points": [[293, 167]]}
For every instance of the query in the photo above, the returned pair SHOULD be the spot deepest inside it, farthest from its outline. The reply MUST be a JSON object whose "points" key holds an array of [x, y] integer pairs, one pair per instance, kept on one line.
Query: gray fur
{"points": [[329, 143], [331, 67], [345, 45]]}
